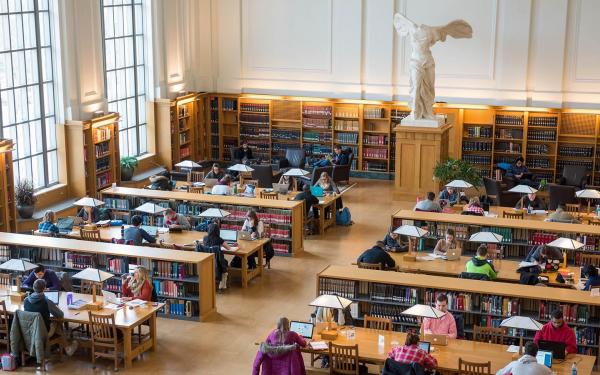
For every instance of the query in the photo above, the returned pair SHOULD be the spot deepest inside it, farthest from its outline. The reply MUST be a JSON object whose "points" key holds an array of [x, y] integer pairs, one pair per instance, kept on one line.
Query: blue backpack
{"points": [[343, 217]]}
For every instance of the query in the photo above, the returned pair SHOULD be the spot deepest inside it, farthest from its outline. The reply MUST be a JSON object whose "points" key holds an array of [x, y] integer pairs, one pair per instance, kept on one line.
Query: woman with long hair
{"points": [[279, 354], [139, 286]]}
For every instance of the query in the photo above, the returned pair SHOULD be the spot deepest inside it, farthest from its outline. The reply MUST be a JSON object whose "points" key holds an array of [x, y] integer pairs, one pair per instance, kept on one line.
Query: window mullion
{"points": [[38, 44]]}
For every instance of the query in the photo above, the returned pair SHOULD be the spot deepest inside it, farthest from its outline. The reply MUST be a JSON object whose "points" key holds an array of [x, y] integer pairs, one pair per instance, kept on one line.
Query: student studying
{"points": [[51, 280], [138, 286], [446, 325], [446, 243], [377, 255], [557, 330], [480, 264], [527, 364], [428, 204], [47, 225], [411, 353], [136, 234]]}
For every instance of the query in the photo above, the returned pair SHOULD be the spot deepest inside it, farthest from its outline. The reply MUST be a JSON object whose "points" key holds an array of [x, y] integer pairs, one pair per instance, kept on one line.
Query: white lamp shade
{"points": [[459, 184], [424, 311], [93, 274], [240, 168], [151, 208], [411, 231], [17, 265], [214, 212], [331, 301], [296, 172], [487, 237], [89, 202], [588, 193], [523, 189], [522, 322], [566, 243], [188, 164]]}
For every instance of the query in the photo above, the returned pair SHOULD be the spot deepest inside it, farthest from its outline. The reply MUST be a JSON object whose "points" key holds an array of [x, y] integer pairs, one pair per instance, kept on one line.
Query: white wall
{"points": [[523, 52]]}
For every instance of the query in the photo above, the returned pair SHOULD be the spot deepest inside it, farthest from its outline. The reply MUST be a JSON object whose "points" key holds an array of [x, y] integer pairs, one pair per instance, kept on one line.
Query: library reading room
{"points": [[291, 187]]}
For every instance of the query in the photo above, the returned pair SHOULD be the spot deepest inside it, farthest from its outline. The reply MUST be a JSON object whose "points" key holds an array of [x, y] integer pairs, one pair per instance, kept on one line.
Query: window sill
{"points": [[145, 156], [49, 189]]}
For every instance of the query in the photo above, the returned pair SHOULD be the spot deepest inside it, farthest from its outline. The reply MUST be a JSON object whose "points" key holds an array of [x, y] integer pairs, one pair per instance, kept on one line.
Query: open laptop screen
{"points": [[228, 235], [304, 329]]}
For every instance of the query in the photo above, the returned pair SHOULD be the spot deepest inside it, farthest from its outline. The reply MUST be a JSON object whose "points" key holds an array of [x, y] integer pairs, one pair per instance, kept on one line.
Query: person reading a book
{"points": [[216, 172], [446, 325], [562, 216], [446, 243], [223, 187], [47, 224], [394, 243], [280, 352], [411, 353], [138, 286], [339, 157], [527, 364], [173, 220], [450, 195], [558, 330], [533, 201], [591, 274], [135, 234], [377, 255], [51, 280], [520, 172], [479, 263], [541, 254]]}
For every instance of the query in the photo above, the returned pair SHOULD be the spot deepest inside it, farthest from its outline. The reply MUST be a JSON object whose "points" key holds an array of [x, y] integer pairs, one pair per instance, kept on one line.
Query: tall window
{"points": [[125, 70], [27, 110]]}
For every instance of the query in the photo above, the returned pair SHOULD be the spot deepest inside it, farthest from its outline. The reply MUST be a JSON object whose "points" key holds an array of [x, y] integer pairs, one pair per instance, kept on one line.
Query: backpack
{"points": [[343, 217]]}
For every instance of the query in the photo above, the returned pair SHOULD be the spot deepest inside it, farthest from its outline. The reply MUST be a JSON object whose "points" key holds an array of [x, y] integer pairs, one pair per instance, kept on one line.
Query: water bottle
{"points": [[123, 231], [574, 369], [598, 210], [529, 210], [69, 298]]}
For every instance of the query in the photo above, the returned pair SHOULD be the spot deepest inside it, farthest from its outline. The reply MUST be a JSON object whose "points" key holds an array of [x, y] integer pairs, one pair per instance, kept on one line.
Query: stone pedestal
{"points": [[438, 122], [418, 149]]}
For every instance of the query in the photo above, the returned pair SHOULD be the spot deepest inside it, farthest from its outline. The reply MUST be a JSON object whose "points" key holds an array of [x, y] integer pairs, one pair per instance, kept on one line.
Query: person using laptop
{"points": [[377, 255], [138, 286], [562, 216], [136, 234], [280, 352], [474, 207], [51, 280], [542, 253], [329, 187], [243, 153], [479, 263], [428, 204], [557, 330], [411, 353], [447, 243], [527, 364], [223, 187], [450, 195], [394, 243], [216, 172], [533, 201], [592, 279], [520, 173], [446, 325], [253, 225], [213, 237], [173, 220], [47, 224]]}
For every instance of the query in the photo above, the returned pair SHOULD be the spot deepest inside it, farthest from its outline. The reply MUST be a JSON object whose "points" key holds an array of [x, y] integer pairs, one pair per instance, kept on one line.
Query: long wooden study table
{"points": [[185, 240], [126, 320]]}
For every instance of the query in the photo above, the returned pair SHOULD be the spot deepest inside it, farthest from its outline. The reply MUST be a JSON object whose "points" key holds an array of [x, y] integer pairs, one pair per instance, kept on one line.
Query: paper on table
{"points": [[595, 292], [426, 258], [435, 256], [232, 248], [527, 264], [539, 212], [162, 230], [318, 345], [112, 306], [136, 302], [489, 214], [513, 349], [103, 222]]}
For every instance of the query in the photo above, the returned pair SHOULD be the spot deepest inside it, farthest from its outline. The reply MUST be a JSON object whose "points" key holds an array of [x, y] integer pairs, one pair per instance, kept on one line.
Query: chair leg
{"points": [[93, 357]]}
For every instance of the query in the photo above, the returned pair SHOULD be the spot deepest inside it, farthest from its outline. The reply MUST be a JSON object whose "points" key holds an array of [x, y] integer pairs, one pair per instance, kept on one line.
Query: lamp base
{"points": [[93, 306], [329, 334], [410, 257], [17, 296]]}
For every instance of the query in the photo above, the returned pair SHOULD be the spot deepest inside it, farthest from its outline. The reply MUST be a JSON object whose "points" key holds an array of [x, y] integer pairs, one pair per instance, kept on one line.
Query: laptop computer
{"points": [[453, 254], [152, 230], [425, 345], [65, 224], [230, 236], [557, 348], [53, 296], [111, 297], [544, 358], [243, 235], [441, 340], [317, 191], [304, 329], [280, 188], [210, 182]]}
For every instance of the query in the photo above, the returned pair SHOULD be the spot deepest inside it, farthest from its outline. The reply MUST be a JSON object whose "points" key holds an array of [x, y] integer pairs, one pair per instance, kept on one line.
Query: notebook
{"points": [[544, 357]]}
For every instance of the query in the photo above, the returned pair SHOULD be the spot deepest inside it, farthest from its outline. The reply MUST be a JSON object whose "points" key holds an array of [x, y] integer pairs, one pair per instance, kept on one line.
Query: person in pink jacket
{"points": [[558, 330], [280, 353]]}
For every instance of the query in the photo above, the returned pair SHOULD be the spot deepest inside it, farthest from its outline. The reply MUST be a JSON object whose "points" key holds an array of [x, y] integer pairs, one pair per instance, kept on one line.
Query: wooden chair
{"points": [[343, 359], [572, 208], [5, 279], [244, 176], [592, 259], [4, 326], [488, 334], [512, 215], [248, 182], [370, 266], [380, 324], [593, 222], [272, 195], [90, 235], [105, 342], [195, 177], [196, 189], [474, 368]]}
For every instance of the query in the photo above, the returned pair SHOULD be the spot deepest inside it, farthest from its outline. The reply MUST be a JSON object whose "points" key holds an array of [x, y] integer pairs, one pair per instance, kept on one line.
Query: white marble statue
{"points": [[422, 65]]}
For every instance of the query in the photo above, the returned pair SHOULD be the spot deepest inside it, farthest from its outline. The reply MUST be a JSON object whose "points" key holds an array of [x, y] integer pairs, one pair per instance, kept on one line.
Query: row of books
{"points": [[496, 305], [342, 288], [478, 132], [102, 164], [543, 121], [281, 247], [113, 285], [254, 132], [184, 137], [560, 164], [392, 293], [538, 149], [374, 113], [103, 180], [542, 135], [277, 147], [251, 118], [79, 261], [572, 313], [317, 149], [185, 152], [509, 120], [254, 107], [101, 134], [346, 125], [169, 288], [317, 123], [478, 159], [539, 163], [346, 138], [267, 215], [391, 312], [292, 135], [316, 136], [398, 115], [346, 113], [272, 232], [375, 139], [228, 104], [180, 307], [183, 110], [374, 166], [316, 110], [585, 151], [461, 232], [586, 336], [101, 149], [117, 265], [378, 153], [174, 270], [477, 146], [509, 133]]}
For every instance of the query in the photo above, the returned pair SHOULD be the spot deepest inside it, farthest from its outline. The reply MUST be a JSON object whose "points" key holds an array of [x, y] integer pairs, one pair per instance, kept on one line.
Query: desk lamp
{"points": [[411, 231], [95, 276], [486, 237], [295, 173], [330, 301], [521, 322], [588, 194], [152, 209], [188, 164], [523, 190], [459, 185], [89, 203], [18, 266], [242, 169], [565, 244]]}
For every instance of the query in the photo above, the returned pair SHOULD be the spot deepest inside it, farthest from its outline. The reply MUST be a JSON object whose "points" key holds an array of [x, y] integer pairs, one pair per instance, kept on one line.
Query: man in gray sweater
{"points": [[527, 364], [428, 204]]}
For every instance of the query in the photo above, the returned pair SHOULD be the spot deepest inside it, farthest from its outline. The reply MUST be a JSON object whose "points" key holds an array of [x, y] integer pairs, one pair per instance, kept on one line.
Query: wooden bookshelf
{"points": [[201, 140], [255, 127], [183, 128], [286, 127], [8, 213], [284, 217], [181, 277], [387, 294], [317, 128]]}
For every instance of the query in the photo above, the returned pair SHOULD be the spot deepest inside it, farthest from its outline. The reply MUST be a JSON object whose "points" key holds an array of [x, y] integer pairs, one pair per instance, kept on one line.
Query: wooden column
{"points": [[417, 151]]}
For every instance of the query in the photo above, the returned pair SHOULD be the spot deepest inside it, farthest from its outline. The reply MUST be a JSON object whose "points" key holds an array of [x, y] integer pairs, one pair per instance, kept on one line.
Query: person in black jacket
{"points": [[339, 156], [393, 242], [309, 201], [243, 153], [377, 254], [533, 201]]}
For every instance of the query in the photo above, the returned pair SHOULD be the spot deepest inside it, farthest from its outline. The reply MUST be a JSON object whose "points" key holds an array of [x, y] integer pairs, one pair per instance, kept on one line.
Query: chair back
{"points": [[196, 189], [380, 324], [391, 367], [474, 368], [296, 157], [560, 194], [103, 329], [90, 234], [4, 323], [513, 215], [263, 174], [494, 335], [593, 222], [591, 259], [370, 266], [272, 195], [343, 359], [492, 188], [5, 279], [195, 177], [572, 208], [575, 175]]}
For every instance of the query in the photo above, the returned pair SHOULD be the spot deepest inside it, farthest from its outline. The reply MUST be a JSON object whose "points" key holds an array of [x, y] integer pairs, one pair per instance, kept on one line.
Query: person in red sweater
{"points": [[557, 330], [139, 286]]}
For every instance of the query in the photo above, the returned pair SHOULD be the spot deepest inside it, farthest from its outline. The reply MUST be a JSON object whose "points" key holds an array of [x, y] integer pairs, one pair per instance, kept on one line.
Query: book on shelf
{"points": [[101, 134], [254, 107]]}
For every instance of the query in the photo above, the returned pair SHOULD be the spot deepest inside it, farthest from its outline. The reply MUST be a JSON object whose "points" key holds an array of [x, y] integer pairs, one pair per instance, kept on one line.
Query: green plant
{"points": [[543, 184], [456, 169], [129, 162], [24, 193]]}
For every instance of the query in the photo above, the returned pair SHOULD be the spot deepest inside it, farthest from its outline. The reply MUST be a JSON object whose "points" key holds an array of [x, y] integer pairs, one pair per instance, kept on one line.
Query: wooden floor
{"points": [[225, 345]]}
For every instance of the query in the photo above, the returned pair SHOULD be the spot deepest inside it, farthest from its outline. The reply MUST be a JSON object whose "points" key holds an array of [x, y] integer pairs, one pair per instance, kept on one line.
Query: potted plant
{"points": [[128, 164], [456, 169], [24, 198]]}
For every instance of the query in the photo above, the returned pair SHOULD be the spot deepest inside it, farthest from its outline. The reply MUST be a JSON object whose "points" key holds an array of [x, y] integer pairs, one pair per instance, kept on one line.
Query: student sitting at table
{"points": [[479, 263], [557, 330], [223, 187], [541, 253], [446, 243], [213, 239], [280, 353], [394, 243], [533, 201], [474, 207], [135, 234], [173, 220], [98, 214], [216, 172], [411, 353], [309, 201], [47, 224], [328, 186], [593, 280], [139, 286], [527, 364], [377, 255], [428, 204], [450, 195], [51, 280], [561, 216], [253, 225], [243, 153], [446, 325]]}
